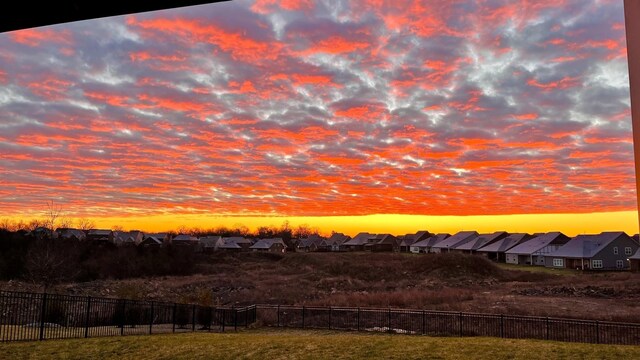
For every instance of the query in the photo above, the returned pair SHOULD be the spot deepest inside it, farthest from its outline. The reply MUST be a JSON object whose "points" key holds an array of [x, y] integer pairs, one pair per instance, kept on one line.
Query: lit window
{"points": [[558, 263], [596, 264]]}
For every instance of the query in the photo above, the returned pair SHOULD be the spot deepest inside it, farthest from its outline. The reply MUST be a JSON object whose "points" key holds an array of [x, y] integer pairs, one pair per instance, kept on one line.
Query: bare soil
{"points": [[452, 282]]}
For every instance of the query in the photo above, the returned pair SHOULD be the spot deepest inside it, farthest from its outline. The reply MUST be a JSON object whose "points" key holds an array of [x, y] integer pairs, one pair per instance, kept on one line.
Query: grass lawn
{"points": [[306, 344], [538, 269]]}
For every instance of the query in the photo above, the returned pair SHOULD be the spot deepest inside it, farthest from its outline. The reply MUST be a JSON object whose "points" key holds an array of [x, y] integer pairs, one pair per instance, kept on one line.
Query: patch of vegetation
{"points": [[298, 344]]}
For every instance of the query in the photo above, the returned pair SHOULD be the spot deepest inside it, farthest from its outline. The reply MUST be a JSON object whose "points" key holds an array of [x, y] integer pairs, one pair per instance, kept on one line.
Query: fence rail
{"points": [[41, 316], [443, 323]]}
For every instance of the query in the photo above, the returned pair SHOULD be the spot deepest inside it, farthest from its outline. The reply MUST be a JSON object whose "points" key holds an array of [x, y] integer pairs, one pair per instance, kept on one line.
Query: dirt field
{"points": [[432, 281]]}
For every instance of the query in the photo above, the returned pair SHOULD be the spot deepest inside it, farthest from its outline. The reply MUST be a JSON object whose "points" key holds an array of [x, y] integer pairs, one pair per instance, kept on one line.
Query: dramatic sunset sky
{"points": [[387, 116]]}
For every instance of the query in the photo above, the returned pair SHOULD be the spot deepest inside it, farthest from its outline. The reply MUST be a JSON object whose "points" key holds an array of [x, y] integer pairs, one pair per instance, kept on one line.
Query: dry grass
{"points": [[296, 344], [452, 281]]}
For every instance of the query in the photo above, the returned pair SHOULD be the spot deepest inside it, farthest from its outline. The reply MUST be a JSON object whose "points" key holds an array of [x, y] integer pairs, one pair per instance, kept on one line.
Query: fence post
{"points": [[173, 318], [193, 317], [330, 313], [235, 319], [597, 332], [358, 319], [389, 320], [43, 314], [303, 316], [124, 312], [501, 325], [151, 319], [86, 320], [460, 317], [547, 332], [424, 323], [223, 318], [278, 316]]}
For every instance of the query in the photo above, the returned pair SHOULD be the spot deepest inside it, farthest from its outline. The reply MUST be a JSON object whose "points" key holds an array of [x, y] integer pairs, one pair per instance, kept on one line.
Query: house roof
{"points": [[432, 240], [152, 239], [237, 240], [99, 232], [482, 240], [308, 242], [267, 243], [586, 246], [338, 237], [360, 239], [636, 255], [456, 240], [185, 237], [230, 245], [531, 246], [67, 233], [502, 245]]}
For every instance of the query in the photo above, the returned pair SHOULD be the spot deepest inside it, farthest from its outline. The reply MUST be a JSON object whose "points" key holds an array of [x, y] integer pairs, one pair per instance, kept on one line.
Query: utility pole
{"points": [[632, 28]]}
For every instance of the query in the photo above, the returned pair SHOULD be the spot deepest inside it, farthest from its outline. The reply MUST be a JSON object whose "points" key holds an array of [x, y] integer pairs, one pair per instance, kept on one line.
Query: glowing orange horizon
{"points": [[397, 224]]}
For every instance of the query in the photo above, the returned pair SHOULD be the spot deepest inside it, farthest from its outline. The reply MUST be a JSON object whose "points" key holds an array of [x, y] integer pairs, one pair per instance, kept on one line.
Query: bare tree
{"points": [[47, 264], [85, 224], [7, 224], [65, 223], [53, 213]]}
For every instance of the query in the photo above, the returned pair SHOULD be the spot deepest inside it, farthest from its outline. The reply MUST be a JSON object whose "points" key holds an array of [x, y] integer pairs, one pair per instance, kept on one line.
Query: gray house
{"points": [[485, 239], [604, 251], [358, 242], [454, 241], [333, 243], [424, 246], [496, 250], [407, 240], [532, 252]]}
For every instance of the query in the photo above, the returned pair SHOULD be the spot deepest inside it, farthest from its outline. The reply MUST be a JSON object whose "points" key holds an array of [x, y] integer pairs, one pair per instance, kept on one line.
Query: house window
{"points": [[627, 251], [619, 264], [558, 263], [596, 264], [615, 250]]}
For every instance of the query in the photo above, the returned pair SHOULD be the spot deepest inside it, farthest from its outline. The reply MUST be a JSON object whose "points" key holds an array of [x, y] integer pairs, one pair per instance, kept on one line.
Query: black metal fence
{"points": [[33, 316], [39, 316], [442, 323]]}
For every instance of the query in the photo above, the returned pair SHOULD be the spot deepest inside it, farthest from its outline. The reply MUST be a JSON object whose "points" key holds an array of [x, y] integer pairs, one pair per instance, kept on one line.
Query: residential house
{"points": [[210, 243], [165, 238], [243, 243], [42, 232], [127, 238], [100, 236], [533, 251], [185, 239], [269, 245], [454, 241], [634, 261], [484, 239], [382, 243], [71, 234], [407, 240], [230, 246], [151, 241], [311, 243], [358, 242], [604, 251], [334, 242], [424, 246], [496, 250]]}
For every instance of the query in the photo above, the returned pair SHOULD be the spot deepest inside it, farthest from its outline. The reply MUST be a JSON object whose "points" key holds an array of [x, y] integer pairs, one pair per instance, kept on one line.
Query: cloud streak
{"points": [[305, 108]]}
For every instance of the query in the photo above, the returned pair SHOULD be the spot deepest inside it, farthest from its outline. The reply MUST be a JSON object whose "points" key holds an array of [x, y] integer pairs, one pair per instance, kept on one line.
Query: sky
{"points": [[345, 115]]}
